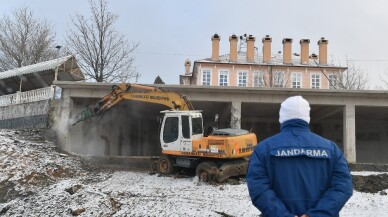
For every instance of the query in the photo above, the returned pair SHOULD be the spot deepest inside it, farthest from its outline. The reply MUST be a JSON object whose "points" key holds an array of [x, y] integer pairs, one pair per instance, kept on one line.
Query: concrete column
{"points": [[52, 92], [63, 124], [18, 93], [235, 120], [350, 133]]}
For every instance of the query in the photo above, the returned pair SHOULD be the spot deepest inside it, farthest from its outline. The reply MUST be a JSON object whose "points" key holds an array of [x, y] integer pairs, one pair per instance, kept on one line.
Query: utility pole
{"points": [[58, 47]]}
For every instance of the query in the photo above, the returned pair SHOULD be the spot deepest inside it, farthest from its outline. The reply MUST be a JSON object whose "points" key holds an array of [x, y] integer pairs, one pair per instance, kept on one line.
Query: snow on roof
{"points": [[276, 59], [43, 66]]}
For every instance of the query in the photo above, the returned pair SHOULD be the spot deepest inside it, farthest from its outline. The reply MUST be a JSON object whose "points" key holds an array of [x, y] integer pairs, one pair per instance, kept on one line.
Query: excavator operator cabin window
{"points": [[197, 125], [170, 132], [185, 127]]}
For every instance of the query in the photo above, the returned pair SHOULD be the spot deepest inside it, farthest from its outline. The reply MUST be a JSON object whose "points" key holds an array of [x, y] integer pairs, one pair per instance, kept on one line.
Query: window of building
{"points": [[206, 77], [278, 79], [223, 78], [315, 81], [333, 81], [296, 80], [258, 79], [242, 79]]}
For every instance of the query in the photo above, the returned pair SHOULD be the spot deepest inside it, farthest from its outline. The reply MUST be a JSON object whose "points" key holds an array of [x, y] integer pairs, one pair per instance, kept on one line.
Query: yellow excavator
{"points": [[216, 154]]}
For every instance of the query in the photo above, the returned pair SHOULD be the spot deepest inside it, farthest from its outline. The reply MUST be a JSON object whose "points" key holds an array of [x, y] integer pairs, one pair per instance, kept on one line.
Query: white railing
{"points": [[28, 96]]}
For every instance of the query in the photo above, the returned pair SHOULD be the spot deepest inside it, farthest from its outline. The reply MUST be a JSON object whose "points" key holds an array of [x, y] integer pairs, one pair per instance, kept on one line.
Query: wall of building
{"points": [[372, 141], [371, 138], [131, 129], [371, 135], [233, 71], [25, 115], [126, 130]]}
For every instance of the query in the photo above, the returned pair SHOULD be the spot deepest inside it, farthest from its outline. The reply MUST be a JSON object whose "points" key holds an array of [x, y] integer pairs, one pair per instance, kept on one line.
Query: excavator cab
{"points": [[179, 129]]}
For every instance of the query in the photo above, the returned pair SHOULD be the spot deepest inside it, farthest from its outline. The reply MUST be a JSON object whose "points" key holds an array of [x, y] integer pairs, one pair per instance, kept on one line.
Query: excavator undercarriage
{"points": [[206, 170]]}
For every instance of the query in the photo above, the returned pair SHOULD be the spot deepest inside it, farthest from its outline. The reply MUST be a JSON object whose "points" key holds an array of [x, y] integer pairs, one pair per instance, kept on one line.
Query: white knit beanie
{"points": [[294, 107]]}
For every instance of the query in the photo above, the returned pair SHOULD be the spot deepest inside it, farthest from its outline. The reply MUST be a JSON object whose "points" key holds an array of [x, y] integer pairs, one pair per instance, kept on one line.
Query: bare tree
{"points": [[354, 78], [384, 81], [270, 78], [25, 40], [103, 53]]}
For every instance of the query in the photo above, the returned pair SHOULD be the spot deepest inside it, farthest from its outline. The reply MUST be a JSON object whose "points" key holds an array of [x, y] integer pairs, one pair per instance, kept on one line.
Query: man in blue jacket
{"points": [[296, 172]]}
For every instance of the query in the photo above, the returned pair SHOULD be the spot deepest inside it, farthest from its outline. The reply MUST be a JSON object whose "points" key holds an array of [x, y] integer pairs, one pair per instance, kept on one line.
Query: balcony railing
{"points": [[28, 96]]}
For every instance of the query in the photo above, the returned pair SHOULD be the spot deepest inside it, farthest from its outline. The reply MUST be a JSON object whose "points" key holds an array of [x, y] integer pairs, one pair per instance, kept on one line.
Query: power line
{"points": [[167, 54], [330, 81], [382, 60]]}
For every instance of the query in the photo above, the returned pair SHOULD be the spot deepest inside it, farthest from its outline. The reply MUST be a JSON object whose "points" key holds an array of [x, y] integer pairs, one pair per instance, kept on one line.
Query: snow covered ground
{"points": [[36, 180]]}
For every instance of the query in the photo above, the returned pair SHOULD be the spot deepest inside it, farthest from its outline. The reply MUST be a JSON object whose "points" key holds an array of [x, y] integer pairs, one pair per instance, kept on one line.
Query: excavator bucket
{"points": [[85, 115]]}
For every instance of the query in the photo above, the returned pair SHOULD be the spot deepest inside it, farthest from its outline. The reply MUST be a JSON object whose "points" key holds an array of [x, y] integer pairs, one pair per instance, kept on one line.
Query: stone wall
{"points": [[25, 115]]}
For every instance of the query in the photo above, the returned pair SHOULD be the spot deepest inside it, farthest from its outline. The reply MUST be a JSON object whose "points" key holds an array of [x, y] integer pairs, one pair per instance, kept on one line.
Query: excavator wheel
{"points": [[206, 171], [165, 165]]}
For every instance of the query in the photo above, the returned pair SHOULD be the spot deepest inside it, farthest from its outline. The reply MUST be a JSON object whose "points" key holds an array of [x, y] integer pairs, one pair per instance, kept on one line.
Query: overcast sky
{"points": [[170, 32]]}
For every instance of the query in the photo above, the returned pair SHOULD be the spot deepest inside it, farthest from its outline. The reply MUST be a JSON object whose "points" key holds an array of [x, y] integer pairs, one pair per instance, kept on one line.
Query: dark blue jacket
{"points": [[297, 172]]}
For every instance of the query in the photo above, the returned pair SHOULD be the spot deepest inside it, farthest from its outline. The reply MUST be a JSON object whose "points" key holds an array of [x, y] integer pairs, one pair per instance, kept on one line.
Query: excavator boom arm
{"points": [[126, 91]]}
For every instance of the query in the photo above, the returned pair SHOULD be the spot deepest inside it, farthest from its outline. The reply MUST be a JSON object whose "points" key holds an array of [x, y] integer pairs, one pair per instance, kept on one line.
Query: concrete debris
{"points": [[223, 214], [77, 212], [115, 204], [72, 190], [4, 210]]}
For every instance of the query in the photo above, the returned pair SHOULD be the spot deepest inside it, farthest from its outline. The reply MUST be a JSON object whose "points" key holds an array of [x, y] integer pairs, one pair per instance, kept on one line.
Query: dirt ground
{"points": [[371, 183]]}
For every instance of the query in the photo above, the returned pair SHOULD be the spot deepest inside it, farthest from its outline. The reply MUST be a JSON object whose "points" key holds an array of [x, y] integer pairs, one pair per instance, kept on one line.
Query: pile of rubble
{"points": [[28, 160], [371, 184]]}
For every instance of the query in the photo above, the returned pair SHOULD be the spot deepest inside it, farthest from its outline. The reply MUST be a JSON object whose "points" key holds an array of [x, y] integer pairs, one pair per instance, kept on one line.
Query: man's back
{"points": [[297, 172]]}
